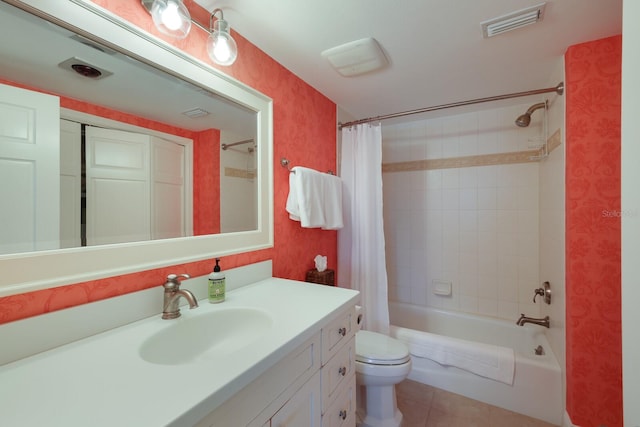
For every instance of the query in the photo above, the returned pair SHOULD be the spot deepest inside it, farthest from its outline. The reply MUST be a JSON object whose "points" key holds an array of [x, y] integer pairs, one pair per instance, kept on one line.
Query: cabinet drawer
{"points": [[336, 333], [271, 390], [336, 372], [342, 412]]}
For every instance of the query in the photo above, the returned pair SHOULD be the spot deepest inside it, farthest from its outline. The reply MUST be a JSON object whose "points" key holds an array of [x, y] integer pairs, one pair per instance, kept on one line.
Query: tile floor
{"points": [[426, 406]]}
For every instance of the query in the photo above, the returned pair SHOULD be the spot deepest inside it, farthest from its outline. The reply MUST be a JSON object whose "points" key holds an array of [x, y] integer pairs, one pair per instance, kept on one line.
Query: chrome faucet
{"points": [[172, 294], [524, 319]]}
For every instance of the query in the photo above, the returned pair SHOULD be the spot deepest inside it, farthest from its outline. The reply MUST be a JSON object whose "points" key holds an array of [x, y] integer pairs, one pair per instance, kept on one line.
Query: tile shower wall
{"points": [[473, 227]]}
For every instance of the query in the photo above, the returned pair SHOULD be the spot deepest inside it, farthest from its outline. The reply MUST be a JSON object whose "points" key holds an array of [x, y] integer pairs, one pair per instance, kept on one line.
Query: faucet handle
{"points": [[173, 281], [544, 291]]}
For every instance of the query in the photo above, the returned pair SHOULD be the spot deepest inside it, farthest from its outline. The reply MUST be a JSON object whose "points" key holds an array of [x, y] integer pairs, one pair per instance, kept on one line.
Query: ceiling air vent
{"points": [[355, 58], [84, 68], [196, 113], [512, 21]]}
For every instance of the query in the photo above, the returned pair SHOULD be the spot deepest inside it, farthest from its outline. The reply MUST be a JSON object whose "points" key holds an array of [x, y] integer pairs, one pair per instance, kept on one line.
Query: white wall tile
{"points": [[487, 221], [468, 221], [450, 199], [488, 306], [469, 303], [476, 227], [507, 289], [487, 176], [433, 179], [487, 198], [468, 177], [507, 221], [451, 178], [468, 199]]}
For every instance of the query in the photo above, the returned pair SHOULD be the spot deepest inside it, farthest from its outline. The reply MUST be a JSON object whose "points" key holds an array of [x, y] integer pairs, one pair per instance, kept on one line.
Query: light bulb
{"points": [[221, 47], [171, 17], [221, 50]]}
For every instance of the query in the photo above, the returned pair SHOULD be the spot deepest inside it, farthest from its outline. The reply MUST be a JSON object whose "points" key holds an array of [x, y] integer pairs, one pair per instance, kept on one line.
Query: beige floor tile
{"points": [[460, 406], [412, 415], [503, 418], [440, 418], [416, 392], [425, 406]]}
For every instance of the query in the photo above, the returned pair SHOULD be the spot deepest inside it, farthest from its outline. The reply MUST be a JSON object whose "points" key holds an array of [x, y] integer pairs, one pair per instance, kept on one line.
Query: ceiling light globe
{"points": [[171, 17], [221, 46]]}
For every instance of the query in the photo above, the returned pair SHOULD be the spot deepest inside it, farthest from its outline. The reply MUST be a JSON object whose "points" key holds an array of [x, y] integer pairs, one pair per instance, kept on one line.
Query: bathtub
{"points": [[537, 386]]}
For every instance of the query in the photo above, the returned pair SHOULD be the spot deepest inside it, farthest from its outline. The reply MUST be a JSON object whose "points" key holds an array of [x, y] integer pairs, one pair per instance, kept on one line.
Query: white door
{"points": [[70, 184], [118, 186], [29, 170], [169, 198]]}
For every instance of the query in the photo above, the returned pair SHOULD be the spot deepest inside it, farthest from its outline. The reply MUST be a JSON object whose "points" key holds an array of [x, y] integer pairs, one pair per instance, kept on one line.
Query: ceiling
{"points": [[436, 50], [34, 58]]}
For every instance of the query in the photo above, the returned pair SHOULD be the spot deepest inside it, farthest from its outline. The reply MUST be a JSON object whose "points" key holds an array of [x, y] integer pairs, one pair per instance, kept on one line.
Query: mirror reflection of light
{"points": [[170, 16]]}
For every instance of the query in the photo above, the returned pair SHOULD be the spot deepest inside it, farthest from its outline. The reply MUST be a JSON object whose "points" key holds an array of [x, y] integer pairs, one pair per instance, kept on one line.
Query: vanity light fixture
{"points": [[171, 17], [221, 46]]}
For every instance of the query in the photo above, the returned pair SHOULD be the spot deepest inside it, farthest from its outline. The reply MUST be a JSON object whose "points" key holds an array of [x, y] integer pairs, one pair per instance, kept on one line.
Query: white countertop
{"points": [[103, 381]]}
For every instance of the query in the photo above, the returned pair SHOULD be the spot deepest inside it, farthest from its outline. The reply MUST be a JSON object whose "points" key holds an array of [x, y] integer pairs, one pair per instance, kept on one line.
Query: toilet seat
{"points": [[378, 349]]}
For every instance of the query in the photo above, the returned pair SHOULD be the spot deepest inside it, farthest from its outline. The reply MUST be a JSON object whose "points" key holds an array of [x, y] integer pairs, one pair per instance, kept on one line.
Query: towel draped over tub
{"points": [[315, 199], [489, 361]]}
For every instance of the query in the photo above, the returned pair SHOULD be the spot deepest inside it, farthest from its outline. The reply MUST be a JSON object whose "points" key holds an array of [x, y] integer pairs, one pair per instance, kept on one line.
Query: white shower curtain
{"points": [[361, 257]]}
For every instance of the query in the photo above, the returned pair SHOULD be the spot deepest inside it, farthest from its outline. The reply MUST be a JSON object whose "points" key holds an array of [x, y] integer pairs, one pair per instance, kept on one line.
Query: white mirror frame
{"points": [[32, 271]]}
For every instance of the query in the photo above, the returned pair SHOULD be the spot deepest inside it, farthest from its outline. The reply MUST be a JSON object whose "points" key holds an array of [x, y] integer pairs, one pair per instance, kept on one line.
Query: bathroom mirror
{"points": [[166, 87]]}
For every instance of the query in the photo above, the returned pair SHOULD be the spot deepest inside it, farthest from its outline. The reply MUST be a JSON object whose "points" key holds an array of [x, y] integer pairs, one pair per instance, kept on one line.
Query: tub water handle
{"points": [[544, 291]]}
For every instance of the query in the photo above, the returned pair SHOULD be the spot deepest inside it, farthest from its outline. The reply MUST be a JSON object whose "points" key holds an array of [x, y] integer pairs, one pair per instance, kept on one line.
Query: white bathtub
{"points": [[537, 386]]}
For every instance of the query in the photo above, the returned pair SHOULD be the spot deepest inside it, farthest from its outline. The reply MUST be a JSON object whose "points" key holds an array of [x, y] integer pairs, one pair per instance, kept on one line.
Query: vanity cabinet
{"points": [[313, 386], [338, 371]]}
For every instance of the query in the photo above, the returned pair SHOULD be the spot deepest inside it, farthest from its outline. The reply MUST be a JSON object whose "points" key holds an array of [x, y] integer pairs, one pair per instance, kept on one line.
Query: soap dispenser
{"points": [[216, 284]]}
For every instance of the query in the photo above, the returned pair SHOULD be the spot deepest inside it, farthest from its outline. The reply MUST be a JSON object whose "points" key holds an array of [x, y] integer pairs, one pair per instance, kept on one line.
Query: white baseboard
{"points": [[566, 422]]}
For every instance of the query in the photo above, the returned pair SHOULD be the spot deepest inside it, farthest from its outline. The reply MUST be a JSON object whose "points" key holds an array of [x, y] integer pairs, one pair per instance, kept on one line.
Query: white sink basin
{"points": [[206, 337]]}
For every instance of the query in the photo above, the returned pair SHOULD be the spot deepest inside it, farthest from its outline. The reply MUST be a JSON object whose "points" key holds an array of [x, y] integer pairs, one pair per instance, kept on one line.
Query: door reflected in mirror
{"points": [[99, 148]]}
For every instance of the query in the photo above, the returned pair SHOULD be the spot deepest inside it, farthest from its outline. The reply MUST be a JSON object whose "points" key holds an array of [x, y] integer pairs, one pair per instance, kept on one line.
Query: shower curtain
{"points": [[361, 256]]}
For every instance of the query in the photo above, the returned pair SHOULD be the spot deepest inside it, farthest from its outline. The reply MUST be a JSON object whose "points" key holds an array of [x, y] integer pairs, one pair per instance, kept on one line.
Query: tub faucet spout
{"points": [[524, 319]]}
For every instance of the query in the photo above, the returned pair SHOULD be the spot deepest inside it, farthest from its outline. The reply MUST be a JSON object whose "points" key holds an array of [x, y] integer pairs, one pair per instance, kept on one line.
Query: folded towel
{"points": [[489, 361], [292, 199], [315, 199], [332, 205]]}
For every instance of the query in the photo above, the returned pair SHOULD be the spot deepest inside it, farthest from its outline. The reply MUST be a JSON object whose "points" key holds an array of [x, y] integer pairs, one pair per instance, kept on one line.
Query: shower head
{"points": [[524, 120]]}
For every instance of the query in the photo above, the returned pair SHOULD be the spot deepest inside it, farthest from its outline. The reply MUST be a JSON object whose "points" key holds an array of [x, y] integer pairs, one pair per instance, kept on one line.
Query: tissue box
{"points": [[326, 277]]}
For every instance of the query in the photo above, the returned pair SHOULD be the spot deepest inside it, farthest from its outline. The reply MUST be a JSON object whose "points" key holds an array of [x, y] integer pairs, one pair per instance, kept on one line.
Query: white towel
{"points": [[315, 199], [489, 361], [292, 199], [332, 205]]}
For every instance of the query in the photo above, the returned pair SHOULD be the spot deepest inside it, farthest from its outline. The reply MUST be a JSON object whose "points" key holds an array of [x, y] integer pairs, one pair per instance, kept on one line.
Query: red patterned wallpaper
{"points": [[304, 132], [206, 182], [593, 318]]}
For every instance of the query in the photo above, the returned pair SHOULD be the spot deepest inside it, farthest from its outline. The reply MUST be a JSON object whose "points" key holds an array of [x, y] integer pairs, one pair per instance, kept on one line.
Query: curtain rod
{"points": [[559, 89], [246, 141]]}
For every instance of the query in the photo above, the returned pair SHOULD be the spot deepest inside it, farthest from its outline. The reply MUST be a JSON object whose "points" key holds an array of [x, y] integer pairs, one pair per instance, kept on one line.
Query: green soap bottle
{"points": [[216, 284]]}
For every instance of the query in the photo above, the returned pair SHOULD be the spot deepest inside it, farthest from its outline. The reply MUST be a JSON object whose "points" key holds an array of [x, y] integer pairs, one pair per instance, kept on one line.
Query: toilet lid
{"points": [[379, 349]]}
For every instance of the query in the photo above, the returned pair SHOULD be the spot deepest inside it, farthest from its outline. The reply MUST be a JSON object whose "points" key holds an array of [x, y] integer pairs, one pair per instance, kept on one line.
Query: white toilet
{"points": [[381, 363]]}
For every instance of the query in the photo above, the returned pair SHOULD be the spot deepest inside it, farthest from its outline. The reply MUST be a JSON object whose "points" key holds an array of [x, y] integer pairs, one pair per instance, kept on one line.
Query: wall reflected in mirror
{"points": [[99, 148]]}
